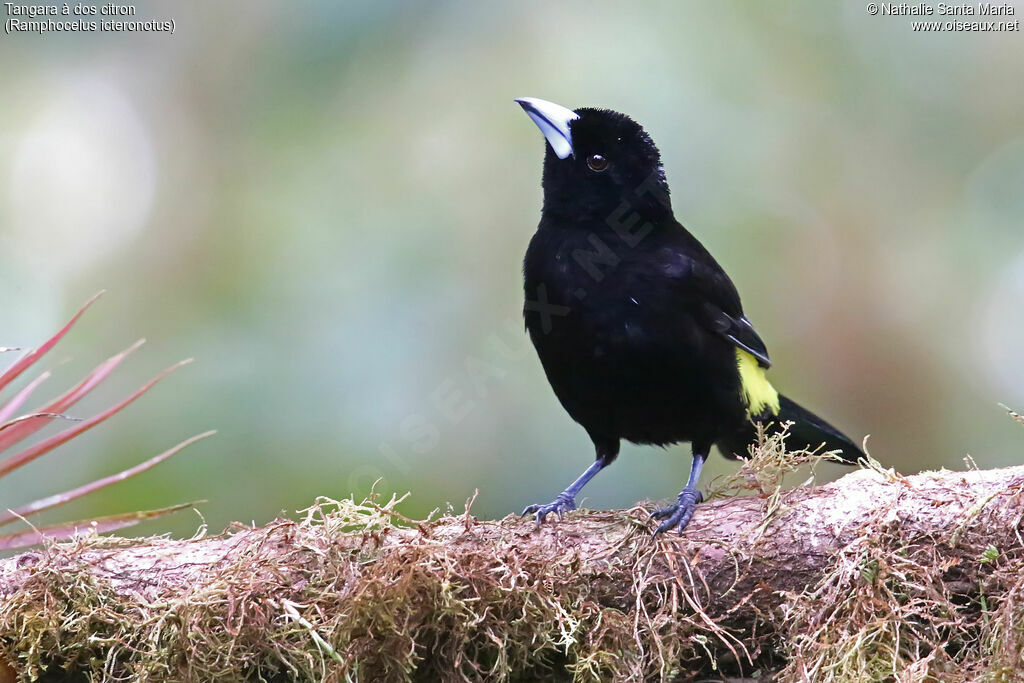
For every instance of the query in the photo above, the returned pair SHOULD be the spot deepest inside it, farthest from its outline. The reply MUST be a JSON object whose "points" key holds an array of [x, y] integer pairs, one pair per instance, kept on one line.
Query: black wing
{"points": [[702, 283], [737, 330]]}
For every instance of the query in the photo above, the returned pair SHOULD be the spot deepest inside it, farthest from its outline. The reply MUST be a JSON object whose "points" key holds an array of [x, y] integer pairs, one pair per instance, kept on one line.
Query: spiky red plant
{"points": [[14, 429]]}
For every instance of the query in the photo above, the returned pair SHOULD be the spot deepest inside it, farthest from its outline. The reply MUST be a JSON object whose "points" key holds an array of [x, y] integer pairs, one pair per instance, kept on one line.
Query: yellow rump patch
{"points": [[755, 389]]}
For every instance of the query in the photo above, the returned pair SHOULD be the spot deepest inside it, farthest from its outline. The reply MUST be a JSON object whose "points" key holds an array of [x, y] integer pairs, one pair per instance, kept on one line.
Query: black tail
{"points": [[808, 431]]}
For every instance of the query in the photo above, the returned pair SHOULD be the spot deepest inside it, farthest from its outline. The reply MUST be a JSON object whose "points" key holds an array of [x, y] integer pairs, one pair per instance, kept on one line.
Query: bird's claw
{"points": [[559, 505], [678, 515]]}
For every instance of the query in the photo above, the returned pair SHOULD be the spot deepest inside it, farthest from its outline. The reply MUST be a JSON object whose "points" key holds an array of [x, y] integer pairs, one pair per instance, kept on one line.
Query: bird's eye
{"points": [[596, 162]]}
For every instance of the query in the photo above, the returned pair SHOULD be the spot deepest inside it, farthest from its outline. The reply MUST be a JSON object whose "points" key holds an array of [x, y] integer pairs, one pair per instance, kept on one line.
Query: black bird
{"points": [[640, 331]]}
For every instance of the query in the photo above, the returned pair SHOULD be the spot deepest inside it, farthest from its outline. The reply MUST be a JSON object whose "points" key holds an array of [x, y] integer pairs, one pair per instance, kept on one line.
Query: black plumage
{"points": [[641, 333]]}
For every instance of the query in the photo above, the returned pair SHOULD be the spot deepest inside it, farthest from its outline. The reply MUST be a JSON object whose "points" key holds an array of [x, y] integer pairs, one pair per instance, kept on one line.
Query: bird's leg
{"points": [[678, 514], [566, 500]]}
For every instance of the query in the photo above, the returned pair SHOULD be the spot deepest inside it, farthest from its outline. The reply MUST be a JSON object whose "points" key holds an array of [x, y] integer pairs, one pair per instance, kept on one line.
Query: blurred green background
{"points": [[326, 204]]}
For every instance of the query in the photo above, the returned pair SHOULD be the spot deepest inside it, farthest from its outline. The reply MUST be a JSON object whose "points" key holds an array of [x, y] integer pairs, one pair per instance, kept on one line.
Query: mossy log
{"points": [[873, 576]]}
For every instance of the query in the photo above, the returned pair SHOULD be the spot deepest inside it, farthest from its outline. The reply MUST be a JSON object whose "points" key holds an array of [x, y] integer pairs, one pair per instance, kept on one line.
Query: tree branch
{"points": [[873, 573]]}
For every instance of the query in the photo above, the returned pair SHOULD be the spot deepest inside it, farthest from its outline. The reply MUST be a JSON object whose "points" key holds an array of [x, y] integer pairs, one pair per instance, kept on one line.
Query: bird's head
{"points": [[597, 162]]}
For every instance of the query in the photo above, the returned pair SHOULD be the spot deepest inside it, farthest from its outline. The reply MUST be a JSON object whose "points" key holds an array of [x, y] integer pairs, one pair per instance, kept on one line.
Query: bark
{"points": [[740, 564]]}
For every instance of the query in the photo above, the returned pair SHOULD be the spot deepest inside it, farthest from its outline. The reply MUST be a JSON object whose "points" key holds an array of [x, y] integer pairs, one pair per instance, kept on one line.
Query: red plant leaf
{"points": [[66, 497], [9, 434], [11, 424], [47, 445], [100, 525], [21, 396], [31, 357]]}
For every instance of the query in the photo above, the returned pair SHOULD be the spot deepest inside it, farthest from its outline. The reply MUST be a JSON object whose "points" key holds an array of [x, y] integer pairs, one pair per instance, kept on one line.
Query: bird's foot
{"points": [[559, 505], [678, 515]]}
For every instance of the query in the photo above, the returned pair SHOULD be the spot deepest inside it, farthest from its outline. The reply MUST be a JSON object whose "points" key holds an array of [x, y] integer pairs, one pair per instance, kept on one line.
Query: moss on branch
{"points": [[874, 575]]}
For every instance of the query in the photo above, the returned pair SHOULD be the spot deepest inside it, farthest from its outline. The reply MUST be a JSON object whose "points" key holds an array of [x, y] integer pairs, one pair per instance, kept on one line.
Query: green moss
{"points": [[897, 608], [425, 608], [355, 591]]}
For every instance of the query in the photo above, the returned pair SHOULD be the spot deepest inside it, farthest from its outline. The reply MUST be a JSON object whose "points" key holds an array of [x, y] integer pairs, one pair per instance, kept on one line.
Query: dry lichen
{"points": [[355, 591], [426, 609]]}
